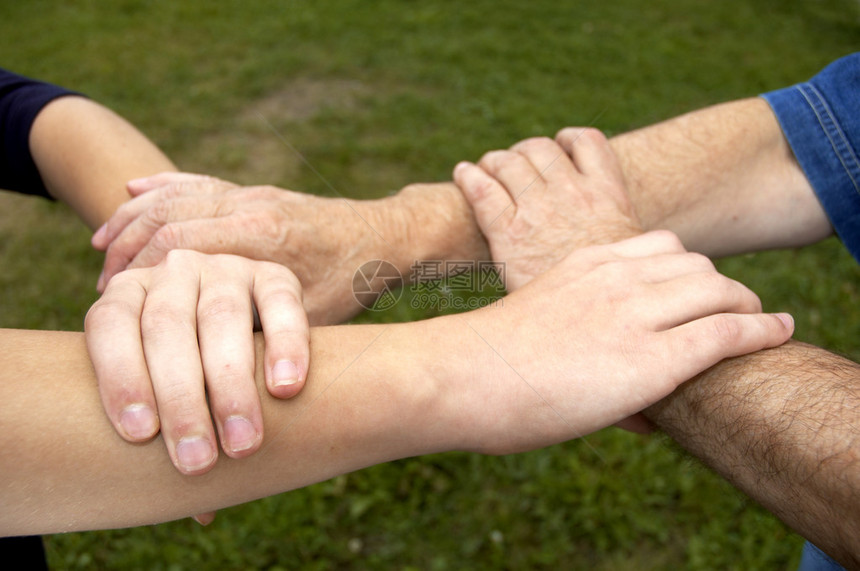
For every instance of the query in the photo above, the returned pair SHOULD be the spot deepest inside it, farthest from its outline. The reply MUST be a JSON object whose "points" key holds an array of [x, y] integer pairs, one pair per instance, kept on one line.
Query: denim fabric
{"points": [[813, 559], [821, 120]]}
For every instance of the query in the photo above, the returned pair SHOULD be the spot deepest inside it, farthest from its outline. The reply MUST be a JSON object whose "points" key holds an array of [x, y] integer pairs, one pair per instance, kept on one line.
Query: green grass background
{"points": [[380, 94]]}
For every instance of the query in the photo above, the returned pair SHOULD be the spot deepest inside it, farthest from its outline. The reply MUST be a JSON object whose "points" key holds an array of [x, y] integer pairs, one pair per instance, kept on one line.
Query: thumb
{"points": [[491, 203]]}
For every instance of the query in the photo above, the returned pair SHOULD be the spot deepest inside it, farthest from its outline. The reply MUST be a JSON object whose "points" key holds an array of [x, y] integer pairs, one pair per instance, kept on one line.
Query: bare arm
{"points": [[781, 425], [723, 178], [86, 153], [70, 471], [493, 380]]}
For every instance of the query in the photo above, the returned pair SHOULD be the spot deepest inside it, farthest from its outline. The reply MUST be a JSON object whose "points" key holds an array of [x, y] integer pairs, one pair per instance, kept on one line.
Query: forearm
{"points": [[65, 469], [783, 425], [86, 153], [724, 179], [428, 221]]}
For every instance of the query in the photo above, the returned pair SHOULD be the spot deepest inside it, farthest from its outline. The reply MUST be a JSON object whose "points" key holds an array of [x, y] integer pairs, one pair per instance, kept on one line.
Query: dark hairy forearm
{"points": [[783, 425]]}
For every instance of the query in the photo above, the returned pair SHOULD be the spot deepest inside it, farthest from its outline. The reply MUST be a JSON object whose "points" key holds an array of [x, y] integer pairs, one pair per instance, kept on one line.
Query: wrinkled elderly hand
{"points": [[540, 200], [322, 240], [165, 339]]}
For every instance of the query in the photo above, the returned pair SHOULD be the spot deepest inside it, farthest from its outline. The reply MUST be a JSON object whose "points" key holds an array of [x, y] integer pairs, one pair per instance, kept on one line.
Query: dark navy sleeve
{"points": [[821, 120], [21, 99]]}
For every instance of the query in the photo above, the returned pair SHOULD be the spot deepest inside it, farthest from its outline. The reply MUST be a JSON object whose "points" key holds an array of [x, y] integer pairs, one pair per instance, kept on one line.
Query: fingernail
{"points": [[136, 181], [204, 519], [787, 319], [138, 421], [285, 373], [240, 434], [100, 286], [100, 234], [194, 453]]}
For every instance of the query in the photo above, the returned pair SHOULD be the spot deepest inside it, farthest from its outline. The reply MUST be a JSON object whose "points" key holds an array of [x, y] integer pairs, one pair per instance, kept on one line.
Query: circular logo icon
{"points": [[375, 285]]}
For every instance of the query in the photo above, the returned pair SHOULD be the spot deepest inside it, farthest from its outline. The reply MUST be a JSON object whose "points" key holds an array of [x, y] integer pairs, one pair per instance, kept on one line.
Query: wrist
{"points": [[431, 222], [414, 392], [481, 400]]}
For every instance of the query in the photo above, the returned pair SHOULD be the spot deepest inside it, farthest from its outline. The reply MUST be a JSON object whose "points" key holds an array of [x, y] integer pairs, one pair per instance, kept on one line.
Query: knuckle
{"points": [[103, 312], [698, 260], [480, 187], [167, 238], [278, 274], [719, 286], [171, 191], [533, 144], [590, 135], [113, 305], [159, 212], [221, 307], [231, 381], [163, 317], [668, 240], [569, 134], [182, 418], [493, 159], [179, 257], [727, 330]]}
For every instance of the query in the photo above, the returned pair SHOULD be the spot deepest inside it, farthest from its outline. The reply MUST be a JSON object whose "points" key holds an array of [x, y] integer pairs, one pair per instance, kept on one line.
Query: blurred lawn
{"points": [[377, 95]]}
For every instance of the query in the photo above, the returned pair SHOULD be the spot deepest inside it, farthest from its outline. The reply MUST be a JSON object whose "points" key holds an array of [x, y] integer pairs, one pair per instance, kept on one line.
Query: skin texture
{"points": [[722, 178], [539, 201], [485, 381], [782, 426], [779, 424], [70, 135], [303, 232], [189, 322]]}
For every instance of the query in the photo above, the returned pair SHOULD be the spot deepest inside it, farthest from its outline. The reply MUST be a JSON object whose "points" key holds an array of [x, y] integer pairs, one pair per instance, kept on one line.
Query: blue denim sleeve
{"points": [[21, 99], [813, 559], [821, 120]]}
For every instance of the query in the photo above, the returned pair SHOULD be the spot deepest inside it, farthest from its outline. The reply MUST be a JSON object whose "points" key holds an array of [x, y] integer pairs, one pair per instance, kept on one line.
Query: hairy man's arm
{"points": [[783, 425]]}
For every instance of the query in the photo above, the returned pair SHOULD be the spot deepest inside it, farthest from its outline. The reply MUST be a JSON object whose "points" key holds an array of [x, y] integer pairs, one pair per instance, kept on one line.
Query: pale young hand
{"points": [[540, 200], [603, 334], [543, 199], [322, 240], [165, 339]]}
